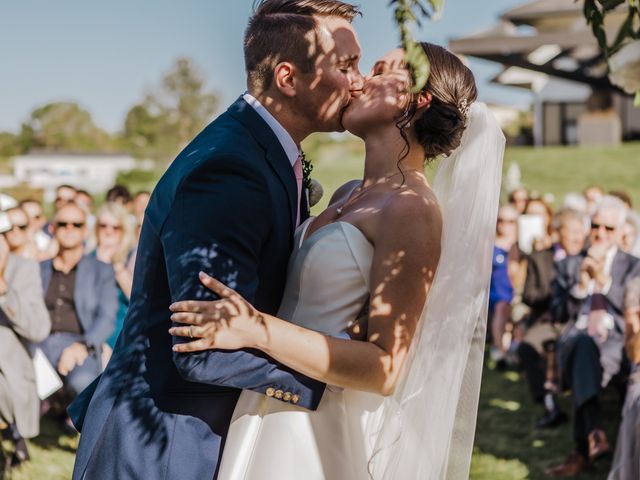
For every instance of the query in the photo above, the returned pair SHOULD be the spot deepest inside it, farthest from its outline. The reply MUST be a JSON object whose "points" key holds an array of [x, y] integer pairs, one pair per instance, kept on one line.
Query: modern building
{"points": [[95, 173], [547, 47]]}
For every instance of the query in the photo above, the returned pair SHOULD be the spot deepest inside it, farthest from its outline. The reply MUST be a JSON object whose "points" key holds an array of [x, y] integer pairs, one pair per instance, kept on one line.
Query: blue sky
{"points": [[104, 54]]}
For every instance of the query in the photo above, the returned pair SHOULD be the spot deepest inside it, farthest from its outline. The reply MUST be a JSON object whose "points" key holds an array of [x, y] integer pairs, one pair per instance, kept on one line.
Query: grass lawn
{"points": [[507, 447]]}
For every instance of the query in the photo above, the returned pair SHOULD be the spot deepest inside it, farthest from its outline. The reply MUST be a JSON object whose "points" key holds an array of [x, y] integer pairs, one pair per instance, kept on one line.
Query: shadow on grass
{"points": [[507, 445], [52, 436]]}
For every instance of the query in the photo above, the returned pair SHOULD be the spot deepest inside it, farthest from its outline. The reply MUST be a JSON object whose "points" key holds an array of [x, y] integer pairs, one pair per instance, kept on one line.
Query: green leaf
{"points": [[610, 4], [626, 30], [418, 65]]}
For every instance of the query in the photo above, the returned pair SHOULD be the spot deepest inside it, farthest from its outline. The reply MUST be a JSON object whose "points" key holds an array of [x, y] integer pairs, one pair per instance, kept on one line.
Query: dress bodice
{"points": [[328, 277]]}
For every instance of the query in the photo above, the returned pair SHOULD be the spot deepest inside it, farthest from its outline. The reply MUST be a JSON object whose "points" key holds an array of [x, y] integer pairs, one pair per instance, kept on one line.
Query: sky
{"points": [[106, 54]]}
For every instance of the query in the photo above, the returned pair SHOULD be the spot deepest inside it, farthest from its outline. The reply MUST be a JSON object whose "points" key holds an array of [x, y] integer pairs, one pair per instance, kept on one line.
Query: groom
{"points": [[228, 205]]}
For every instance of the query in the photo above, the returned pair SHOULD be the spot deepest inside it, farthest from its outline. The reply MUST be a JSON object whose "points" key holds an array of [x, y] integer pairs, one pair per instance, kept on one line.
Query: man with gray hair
{"points": [[588, 294]]}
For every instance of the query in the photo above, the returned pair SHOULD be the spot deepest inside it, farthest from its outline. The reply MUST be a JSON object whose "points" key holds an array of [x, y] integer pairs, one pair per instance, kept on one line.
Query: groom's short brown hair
{"points": [[276, 33]]}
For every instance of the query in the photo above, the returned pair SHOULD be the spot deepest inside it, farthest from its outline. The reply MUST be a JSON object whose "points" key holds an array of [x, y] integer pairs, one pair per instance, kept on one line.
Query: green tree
{"points": [[171, 115], [63, 126], [9, 144]]}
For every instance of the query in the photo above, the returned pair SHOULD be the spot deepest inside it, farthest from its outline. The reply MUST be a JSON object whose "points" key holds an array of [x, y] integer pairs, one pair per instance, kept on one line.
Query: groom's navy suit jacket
{"points": [[226, 206]]}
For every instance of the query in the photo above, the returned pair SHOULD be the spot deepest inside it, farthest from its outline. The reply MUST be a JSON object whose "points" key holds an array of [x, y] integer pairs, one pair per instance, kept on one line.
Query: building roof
{"points": [[63, 153], [531, 11], [557, 41]]}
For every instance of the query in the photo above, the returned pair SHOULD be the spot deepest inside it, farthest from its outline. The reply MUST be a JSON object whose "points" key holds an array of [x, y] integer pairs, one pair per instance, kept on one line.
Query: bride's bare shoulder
{"points": [[413, 208]]}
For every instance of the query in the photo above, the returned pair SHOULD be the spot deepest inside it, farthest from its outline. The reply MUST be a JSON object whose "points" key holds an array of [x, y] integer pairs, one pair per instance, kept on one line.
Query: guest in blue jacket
{"points": [[80, 295]]}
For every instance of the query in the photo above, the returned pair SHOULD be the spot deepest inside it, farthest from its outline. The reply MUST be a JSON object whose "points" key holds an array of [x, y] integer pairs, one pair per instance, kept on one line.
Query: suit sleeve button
{"points": [[278, 394], [287, 396], [295, 399], [270, 392]]}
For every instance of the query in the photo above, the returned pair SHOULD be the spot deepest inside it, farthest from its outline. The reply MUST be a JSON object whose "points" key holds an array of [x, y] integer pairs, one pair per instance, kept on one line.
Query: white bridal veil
{"points": [[425, 430]]}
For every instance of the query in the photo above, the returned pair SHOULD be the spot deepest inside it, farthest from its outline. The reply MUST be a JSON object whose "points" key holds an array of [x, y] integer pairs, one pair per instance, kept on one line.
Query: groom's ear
{"points": [[423, 101], [284, 78]]}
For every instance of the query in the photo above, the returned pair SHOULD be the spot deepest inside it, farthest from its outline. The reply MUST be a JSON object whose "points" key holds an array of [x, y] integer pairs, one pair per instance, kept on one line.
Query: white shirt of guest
{"points": [[290, 148]]}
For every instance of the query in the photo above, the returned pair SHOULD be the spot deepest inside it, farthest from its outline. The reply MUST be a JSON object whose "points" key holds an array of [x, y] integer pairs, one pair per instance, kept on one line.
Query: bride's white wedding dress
{"points": [[425, 430], [327, 287]]}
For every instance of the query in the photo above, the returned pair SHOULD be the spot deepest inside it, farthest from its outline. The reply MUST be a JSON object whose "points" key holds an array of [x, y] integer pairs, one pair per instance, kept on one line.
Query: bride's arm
{"points": [[407, 249]]}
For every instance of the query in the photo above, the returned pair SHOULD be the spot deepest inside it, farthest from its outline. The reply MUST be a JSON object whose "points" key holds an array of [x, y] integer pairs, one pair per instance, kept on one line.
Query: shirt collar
{"points": [[290, 148]]}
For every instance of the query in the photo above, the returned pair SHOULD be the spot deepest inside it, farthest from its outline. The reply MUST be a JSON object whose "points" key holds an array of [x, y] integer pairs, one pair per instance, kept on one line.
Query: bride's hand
{"points": [[230, 323]]}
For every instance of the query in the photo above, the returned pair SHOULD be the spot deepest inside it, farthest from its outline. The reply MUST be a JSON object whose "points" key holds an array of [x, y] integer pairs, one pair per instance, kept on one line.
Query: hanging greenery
{"points": [[407, 13], [623, 54]]}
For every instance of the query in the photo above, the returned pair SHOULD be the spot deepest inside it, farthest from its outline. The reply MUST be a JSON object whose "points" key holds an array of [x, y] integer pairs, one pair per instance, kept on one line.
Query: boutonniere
{"points": [[307, 168], [313, 187]]}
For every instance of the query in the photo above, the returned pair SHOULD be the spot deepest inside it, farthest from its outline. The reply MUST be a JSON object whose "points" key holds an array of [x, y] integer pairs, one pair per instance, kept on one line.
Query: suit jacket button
{"points": [[270, 392], [279, 394], [295, 399], [287, 396]]}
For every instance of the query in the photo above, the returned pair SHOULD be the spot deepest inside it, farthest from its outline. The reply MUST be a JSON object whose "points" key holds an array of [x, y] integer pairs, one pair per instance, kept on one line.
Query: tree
{"points": [[9, 144], [63, 126], [171, 115]]}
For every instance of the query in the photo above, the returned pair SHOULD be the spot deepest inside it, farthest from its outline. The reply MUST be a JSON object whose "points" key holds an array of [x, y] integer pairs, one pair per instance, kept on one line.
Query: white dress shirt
{"points": [[290, 148]]}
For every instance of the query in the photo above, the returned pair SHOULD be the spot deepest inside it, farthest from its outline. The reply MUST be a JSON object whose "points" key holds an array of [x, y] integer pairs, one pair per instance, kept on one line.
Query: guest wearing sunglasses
{"points": [[588, 295], [80, 295], [114, 245], [18, 236], [38, 233]]}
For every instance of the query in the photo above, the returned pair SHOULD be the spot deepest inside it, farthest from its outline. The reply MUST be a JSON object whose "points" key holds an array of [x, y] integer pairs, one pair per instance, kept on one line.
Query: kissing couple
{"points": [[262, 343]]}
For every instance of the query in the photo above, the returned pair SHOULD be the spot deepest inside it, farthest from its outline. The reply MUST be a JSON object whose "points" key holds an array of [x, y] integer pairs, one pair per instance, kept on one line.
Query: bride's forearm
{"points": [[350, 364]]}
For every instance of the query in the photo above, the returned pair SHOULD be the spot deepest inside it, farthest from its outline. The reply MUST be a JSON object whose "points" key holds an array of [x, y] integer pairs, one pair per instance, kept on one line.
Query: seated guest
{"points": [[537, 206], [38, 233], [518, 198], [501, 288], [80, 295], [23, 319], [575, 201], [588, 292], [114, 245], [18, 236], [537, 350], [85, 200], [626, 463], [624, 196], [64, 195], [119, 194], [593, 195]]}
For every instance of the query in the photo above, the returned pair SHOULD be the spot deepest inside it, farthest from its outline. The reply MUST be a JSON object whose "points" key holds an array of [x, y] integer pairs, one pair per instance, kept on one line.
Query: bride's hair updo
{"points": [[453, 88]]}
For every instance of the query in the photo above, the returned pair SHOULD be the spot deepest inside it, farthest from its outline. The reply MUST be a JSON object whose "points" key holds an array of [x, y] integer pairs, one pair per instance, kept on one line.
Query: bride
{"points": [[411, 263]]}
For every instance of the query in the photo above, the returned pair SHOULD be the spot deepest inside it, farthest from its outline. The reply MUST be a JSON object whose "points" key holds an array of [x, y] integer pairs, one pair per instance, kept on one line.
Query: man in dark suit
{"points": [[588, 293], [80, 295], [228, 205], [537, 350]]}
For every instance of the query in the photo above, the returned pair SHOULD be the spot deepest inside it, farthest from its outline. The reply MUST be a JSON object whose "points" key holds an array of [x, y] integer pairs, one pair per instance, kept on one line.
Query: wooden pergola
{"points": [[550, 37]]}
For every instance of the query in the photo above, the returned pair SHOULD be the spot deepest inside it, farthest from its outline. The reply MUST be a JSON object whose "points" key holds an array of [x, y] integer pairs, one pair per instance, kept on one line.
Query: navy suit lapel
{"points": [[275, 154]]}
